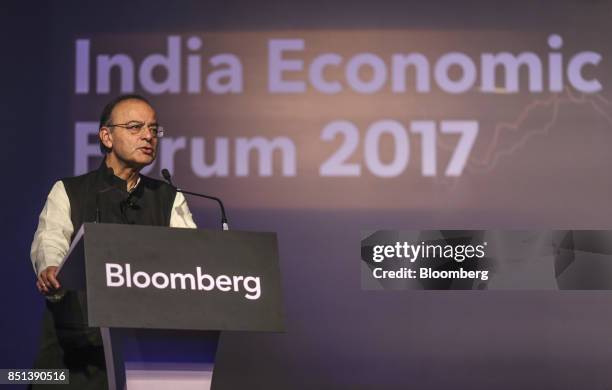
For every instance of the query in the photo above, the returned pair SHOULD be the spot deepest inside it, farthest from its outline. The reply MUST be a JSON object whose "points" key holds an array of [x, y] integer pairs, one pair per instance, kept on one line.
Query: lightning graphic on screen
{"points": [[495, 151]]}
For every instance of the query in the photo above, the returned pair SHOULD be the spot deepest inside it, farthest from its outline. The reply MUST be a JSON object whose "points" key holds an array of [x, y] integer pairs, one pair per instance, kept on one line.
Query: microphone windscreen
{"points": [[165, 174]]}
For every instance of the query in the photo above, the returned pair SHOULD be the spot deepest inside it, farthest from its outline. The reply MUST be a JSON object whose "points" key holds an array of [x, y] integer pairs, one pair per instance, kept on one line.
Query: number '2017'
{"points": [[337, 164]]}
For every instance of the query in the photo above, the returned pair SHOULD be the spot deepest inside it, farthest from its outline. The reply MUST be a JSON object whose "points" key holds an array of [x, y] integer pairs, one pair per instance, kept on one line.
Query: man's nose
{"points": [[147, 133]]}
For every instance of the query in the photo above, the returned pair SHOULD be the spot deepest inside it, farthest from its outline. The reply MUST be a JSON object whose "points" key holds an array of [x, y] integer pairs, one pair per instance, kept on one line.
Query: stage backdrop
{"points": [[318, 121]]}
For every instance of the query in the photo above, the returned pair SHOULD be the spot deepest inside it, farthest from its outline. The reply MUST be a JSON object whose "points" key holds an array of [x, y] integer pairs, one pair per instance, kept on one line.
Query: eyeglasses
{"points": [[135, 127]]}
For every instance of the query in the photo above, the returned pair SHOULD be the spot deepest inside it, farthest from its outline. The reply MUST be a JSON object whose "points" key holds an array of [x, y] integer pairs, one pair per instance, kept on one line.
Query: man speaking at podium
{"points": [[114, 193]]}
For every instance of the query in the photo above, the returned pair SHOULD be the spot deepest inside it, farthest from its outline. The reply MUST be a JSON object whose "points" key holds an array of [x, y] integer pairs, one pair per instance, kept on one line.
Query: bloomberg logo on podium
{"points": [[120, 275]]}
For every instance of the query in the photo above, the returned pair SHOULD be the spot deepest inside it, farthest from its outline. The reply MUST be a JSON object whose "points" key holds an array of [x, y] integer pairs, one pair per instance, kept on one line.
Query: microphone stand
{"points": [[168, 178]]}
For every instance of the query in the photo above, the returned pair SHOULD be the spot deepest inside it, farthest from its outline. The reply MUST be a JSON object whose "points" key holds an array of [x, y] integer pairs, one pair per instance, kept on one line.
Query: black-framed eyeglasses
{"points": [[135, 127]]}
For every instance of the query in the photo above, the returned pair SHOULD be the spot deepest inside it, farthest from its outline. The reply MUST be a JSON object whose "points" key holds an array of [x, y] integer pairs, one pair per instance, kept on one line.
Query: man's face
{"points": [[132, 147]]}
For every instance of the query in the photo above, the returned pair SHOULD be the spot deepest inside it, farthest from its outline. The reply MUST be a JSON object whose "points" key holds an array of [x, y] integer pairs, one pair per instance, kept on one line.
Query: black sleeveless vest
{"points": [[102, 194]]}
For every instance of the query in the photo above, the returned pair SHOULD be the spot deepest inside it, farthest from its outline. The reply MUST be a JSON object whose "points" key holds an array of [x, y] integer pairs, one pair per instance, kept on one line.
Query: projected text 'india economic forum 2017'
{"points": [[181, 65]]}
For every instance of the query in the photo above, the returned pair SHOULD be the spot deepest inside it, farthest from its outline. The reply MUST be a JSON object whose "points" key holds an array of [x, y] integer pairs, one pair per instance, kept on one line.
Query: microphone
{"points": [[128, 202], [166, 174], [168, 179]]}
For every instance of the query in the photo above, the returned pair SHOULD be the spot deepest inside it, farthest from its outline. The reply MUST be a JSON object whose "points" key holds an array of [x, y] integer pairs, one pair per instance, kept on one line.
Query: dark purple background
{"points": [[337, 335]]}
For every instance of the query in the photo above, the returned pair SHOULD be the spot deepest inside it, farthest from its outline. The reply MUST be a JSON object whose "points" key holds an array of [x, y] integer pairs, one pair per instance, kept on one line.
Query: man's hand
{"points": [[47, 282]]}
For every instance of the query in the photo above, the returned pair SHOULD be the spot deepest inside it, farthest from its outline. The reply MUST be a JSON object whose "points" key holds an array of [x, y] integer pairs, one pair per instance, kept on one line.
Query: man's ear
{"points": [[106, 137]]}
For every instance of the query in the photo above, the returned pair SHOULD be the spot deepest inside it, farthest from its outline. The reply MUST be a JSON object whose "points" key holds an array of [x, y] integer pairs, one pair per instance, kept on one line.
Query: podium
{"points": [[161, 296]]}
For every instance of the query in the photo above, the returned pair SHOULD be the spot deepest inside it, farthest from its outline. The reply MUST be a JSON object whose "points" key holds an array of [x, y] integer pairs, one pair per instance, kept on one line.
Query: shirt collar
{"points": [[135, 185], [109, 177]]}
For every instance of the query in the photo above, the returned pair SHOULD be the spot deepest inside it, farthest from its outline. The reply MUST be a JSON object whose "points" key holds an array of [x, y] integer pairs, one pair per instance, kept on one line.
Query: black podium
{"points": [[162, 295]]}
